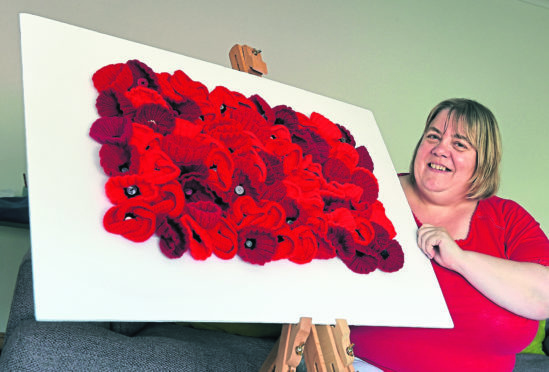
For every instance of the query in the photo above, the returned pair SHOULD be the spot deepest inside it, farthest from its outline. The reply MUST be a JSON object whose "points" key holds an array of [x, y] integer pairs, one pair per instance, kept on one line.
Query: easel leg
{"points": [[287, 352]]}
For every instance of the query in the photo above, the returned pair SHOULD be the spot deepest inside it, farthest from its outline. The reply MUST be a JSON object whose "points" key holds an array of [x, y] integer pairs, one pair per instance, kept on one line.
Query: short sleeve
{"points": [[524, 239]]}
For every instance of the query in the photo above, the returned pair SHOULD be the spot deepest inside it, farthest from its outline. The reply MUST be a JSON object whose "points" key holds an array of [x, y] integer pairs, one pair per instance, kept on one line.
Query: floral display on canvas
{"points": [[218, 173]]}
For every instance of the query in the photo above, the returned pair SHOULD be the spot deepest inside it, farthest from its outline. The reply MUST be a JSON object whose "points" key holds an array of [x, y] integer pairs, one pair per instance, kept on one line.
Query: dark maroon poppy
{"points": [[284, 115], [117, 160], [113, 130], [157, 117], [173, 237], [256, 245], [364, 159], [263, 108], [361, 263], [111, 102], [336, 170], [346, 136], [311, 143], [143, 75], [368, 182], [186, 109], [342, 240], [391, 258]]}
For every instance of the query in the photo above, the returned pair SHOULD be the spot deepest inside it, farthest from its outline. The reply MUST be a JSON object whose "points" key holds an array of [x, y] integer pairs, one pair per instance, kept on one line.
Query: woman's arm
{"points": [[520, 287]]}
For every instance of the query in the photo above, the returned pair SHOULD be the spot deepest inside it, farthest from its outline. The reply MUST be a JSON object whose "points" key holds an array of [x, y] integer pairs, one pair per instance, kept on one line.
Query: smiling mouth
{"points": [[438, 167]]}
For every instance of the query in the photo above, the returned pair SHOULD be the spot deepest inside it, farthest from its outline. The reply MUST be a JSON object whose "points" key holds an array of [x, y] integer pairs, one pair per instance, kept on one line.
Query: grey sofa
{"points": [[121, 346], [102, 346]]}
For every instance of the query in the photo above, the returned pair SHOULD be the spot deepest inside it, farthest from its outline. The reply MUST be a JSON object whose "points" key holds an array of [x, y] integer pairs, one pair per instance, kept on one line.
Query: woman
{"points": [[488, 253]]}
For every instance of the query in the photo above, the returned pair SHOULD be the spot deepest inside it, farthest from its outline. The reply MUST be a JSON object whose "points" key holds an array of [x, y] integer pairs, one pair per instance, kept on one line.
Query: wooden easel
{"points": [[325, 348]]}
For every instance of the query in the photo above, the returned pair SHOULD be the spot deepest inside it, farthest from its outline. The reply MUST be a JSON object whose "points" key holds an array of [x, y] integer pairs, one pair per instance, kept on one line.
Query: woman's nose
{"points": [[441, 149]]}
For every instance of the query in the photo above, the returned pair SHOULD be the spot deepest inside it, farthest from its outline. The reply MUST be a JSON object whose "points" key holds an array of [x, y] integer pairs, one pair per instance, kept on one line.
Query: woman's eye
{"points": [[432, 137], [461, 145]]}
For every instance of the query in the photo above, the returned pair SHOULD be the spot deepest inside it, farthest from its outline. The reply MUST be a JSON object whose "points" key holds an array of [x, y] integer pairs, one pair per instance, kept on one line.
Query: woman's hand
{"points": [[437, 244]]}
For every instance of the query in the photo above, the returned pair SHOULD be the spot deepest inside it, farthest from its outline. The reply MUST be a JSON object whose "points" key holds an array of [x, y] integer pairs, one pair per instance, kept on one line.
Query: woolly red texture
{"points": [[224, 174]]}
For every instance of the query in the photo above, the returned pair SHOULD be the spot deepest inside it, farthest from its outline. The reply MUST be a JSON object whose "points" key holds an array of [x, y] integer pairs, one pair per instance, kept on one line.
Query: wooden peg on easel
{"points": [[247, 59], [287, 352]]}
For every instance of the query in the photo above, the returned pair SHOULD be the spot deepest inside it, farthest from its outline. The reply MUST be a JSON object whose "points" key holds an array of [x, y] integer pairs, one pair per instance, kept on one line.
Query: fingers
{"points": [[429, 239]]}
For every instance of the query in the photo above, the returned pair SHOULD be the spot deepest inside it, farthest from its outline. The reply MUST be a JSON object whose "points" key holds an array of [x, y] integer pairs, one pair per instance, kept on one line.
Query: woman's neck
{"points": [[452, 213]]}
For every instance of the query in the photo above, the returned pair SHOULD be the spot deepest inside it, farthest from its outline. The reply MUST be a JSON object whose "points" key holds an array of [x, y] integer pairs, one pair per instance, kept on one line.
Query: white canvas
{"points": [[82, 272]]}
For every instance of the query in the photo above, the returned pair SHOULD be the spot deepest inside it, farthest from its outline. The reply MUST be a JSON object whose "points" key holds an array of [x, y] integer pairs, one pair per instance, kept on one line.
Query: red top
{"points": [[485, 336]]}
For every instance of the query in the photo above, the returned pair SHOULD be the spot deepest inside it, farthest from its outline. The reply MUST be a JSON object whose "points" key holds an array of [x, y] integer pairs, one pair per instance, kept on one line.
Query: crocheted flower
{"points": [[224, 239], [113, 130], [155, 116], [112, 102], [118, 160], [173, 237], [143, 75], [116, 76], [391, 258], [256, 245], [170, 201], [133, 186], [361, 263], [134, 220]]}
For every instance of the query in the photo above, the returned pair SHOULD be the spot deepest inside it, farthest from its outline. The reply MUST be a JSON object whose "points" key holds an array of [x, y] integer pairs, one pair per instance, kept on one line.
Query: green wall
{"points": [[397, 58]]}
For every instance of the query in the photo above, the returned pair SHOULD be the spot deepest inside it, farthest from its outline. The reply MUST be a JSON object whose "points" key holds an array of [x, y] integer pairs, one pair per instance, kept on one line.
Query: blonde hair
{"points": [[482, 131]]}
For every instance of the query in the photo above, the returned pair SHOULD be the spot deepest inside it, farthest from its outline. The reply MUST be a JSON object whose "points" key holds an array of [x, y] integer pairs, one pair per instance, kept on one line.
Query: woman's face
{"points": [[445, 160]]}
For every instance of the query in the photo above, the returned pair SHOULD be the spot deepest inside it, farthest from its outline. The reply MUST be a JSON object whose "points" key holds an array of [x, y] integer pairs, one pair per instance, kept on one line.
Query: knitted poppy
{"points": [[312, 144], [342, 240], [143, 75], [117, 76], [185, 108], [156, 117], [144, 138], [275, 168], [220, 169], [113, 130], [256, 245], [364, 158], [111, 102], [206, 213], [336, 170], [173, 237], [263, 108], [361, 263], [391, 258], [249, 119], [200, 241], [366, 180], [224, 99], [306, 246], [224, 239], [165, 87], [134, 220], [382, 238], [325, 250], [133, 186], [379, 217], [325, 127], [117, 160], [346, 153], [140, 96], [195, 190], [346, 136], [170, 200], [187, 87], [284, 115], [157, 168]]}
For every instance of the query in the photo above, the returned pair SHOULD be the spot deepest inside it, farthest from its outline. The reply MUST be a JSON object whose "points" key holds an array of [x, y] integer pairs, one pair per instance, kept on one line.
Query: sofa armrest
{"points": [[22, 305]]}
